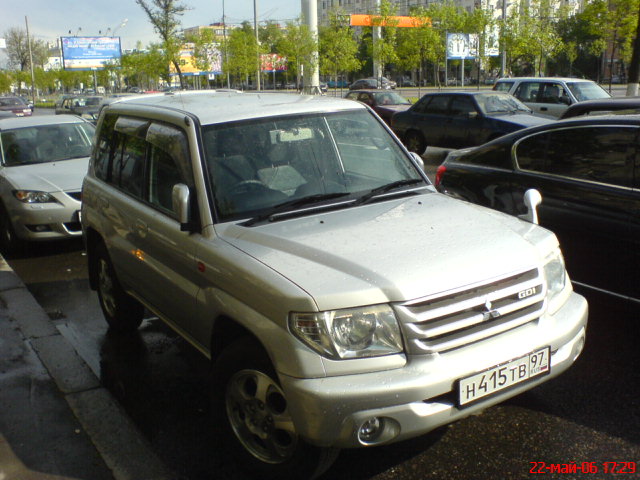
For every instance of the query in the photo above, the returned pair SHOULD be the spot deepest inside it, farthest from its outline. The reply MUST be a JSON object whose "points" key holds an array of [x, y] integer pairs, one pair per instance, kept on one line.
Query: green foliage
{"points": [[298, 45], [337, 47]]}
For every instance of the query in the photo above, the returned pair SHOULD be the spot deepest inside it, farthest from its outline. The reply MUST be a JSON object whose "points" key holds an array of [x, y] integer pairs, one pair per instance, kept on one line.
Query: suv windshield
{"points": [[46, 143], [258, 165]]}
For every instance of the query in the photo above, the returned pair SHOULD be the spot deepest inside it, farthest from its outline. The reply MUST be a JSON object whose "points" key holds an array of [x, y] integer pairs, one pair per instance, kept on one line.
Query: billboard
{"points": [[89, 53], [188, 62]]}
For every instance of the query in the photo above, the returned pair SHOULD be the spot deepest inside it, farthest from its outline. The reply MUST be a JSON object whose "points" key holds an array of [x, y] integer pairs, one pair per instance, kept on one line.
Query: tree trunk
{"points": [[634, 66]]}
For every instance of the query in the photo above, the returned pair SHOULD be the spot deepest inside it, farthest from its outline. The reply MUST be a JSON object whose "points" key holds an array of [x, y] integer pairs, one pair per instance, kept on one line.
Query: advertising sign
{"points": [[89, 53], [458, 46], [272, 62], [188, 62]]}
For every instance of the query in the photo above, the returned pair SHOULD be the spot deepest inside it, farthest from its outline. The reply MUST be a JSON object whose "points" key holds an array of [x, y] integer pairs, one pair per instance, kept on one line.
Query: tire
{"points": [[248, 404], [9, 242], [415, 142], [122, 312]]}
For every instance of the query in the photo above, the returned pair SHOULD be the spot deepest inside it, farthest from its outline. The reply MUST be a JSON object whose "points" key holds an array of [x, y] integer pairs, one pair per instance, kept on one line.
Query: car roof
{"points": [[544, 79], [602, 104], [211, 106], [37, 120], [470, 93]]}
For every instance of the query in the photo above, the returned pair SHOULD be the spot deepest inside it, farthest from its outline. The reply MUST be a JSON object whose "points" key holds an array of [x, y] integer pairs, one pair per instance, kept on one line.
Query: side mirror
{"points": [[473, 115], [418, 159], [532, 199], [180, 199]]}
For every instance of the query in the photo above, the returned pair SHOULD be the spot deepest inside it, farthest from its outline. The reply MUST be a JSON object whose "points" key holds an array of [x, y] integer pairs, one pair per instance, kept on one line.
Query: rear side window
{"points": [[503, 86], [494, 156], [603, 154], [527, 91], [438, 105]]}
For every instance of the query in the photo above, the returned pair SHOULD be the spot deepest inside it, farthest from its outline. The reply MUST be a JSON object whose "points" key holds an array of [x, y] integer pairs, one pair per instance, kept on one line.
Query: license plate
{"points": [[480, 385]]}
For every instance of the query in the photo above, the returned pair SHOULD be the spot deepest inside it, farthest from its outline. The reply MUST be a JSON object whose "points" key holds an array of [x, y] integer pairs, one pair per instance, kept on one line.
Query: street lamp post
{"points": [[503, 63]]}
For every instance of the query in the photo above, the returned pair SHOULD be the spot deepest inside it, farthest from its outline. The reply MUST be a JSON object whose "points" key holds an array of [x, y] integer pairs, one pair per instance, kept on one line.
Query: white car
{"points": [[43, 162], [550, 95]]}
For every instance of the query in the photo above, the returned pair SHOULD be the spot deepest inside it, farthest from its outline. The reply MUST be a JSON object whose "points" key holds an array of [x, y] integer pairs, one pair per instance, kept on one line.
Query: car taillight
{"points": [[439, 174]]}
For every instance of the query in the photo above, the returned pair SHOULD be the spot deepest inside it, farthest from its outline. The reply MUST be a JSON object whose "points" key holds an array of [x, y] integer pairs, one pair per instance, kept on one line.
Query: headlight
{"points": [[350, 333], [33, 196], [555, 273]]}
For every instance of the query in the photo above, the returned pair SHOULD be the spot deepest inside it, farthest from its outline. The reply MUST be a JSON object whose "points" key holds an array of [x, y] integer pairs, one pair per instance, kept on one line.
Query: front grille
{"points": [[75, 195], [446, 322]]}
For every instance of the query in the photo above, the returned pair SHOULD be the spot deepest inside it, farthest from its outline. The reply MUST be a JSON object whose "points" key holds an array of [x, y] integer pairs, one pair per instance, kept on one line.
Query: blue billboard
{"points": [[89, 53]]}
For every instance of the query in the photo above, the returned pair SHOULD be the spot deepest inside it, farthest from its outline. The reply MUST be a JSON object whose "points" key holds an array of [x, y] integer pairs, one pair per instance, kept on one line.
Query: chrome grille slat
{"points": [[454, 319]]}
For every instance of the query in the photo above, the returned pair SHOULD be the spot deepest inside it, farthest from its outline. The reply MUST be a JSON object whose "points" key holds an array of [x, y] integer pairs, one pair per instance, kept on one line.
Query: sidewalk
{"points": [[56, 420]]}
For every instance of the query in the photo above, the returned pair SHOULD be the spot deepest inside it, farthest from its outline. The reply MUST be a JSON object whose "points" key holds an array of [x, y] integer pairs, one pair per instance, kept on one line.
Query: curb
{"points": [[124, 450]]}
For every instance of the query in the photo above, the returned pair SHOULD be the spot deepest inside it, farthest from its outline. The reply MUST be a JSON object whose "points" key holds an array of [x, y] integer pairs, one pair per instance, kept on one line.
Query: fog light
{"points": [[371, 429], [39, 228], [579, 346]]}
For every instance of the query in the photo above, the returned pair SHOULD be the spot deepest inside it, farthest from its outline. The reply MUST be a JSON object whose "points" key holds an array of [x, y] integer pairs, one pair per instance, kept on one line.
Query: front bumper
{"points": [[421, 396], [46, 221]]}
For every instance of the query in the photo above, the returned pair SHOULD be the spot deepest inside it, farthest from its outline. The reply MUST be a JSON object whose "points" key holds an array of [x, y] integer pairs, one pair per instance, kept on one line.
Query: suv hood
{"points": [[65, 175], [393, 251]]}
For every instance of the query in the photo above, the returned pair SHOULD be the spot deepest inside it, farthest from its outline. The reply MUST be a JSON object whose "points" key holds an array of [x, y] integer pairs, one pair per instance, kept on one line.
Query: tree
{"points": [[241, 59], [18, 49], [299, 46], [337, 48], [418, 44], [164, 18], [384, 48]]}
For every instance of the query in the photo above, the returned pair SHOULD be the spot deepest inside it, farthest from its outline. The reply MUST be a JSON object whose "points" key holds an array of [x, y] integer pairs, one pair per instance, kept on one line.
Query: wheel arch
{"points": [[227, 330]]}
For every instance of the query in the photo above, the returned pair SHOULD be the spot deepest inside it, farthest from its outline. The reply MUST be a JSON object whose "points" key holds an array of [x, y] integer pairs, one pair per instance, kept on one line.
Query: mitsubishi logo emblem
{"points": [[490, 313]]}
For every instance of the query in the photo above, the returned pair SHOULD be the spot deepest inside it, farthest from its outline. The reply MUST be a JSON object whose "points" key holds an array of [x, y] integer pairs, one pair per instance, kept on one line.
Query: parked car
{"points": [[588, 172], [342, 301], [371, 83], [603, 106], [15, 105], [338, 83], [405, 82], [550, 96], [81, 105], [461, 119], [384, 103], [44, 159]]}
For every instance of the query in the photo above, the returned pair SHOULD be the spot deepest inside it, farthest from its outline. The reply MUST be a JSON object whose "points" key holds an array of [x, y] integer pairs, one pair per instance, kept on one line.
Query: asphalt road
{"points": [[589, 414]]}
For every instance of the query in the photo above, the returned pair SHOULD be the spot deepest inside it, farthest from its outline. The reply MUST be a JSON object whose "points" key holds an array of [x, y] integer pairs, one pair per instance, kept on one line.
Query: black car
{"points": [[588, 172], [461, 119], [601, 106], [385, 103]]}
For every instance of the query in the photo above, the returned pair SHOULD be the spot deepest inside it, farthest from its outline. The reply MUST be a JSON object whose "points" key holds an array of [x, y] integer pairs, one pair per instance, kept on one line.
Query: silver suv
{"points": [[295, 242], [550, 95]]}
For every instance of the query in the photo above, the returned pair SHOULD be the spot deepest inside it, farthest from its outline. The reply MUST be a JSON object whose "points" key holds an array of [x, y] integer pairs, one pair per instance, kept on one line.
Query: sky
{"points": [[49, 19]]}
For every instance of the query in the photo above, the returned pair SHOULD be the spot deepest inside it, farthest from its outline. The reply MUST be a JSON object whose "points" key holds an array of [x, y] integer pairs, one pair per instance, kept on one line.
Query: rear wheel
{"points": [[122, 312], [415, 142], [251, 406]]}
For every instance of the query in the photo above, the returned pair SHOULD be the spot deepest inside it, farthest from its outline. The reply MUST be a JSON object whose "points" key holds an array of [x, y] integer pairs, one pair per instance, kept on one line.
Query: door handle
{"points": [[141, 228], [543, 109]]}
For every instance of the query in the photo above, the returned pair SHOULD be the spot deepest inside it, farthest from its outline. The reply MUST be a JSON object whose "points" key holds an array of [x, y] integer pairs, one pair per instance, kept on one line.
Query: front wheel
{"points": [[251, 406], [9, 241], [122, 312], [415, 142]]}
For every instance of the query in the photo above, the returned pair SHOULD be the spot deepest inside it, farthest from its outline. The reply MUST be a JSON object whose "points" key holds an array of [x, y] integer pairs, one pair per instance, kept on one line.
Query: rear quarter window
{"points": [[491, 156], [503, 86]]}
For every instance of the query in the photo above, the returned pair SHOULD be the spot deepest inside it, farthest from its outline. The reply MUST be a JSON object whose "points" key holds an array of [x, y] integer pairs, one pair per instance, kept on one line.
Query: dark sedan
{"points": [[15, 105], [385, 103], [461, 119], [588, 171], [603, 106]]}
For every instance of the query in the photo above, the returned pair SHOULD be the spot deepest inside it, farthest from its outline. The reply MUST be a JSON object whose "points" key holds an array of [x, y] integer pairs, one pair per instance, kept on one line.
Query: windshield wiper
{"points": [[386, 188], [296, 202]]}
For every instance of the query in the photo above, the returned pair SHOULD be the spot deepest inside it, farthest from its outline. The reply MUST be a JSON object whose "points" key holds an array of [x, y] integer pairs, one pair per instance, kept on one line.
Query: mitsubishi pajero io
{"points": [[343, 302]]}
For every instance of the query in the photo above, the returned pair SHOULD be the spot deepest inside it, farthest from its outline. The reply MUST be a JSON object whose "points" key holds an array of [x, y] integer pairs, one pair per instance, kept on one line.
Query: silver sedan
{"points": [[43, 162]]}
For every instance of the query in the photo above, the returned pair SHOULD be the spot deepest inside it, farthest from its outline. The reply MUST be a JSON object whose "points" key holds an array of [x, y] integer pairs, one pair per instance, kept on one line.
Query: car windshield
{"points": [[46, 143], [587, 91], [259, 166], [390, 98], [10, 101], [491, 103]]}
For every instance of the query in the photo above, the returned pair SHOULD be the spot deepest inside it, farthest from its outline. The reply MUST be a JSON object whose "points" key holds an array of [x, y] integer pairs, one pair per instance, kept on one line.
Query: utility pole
{"points": [[634, 66], [255, 27], [310, 14], [503, 60], [33, 78]]}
